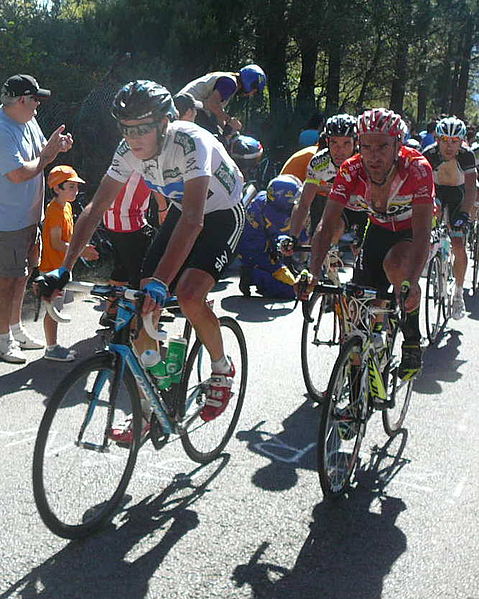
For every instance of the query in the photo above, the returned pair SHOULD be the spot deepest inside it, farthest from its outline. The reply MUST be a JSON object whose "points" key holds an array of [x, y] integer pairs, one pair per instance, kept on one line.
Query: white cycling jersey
{"points": [[321, 168], [188, 152]]}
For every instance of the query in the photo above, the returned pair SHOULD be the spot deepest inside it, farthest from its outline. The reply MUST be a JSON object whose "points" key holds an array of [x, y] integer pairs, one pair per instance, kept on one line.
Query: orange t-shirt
{"points": [[297, 164], [56, 215]]}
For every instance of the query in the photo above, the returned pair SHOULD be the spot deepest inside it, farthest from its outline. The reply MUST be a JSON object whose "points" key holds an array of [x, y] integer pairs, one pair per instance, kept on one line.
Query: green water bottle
{"points": [[153, 363], [175, 358]]}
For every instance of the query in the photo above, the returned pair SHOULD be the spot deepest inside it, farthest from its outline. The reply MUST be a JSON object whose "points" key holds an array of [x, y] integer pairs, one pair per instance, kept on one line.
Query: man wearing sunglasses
{"points": [[24, 153], [196, 242], [454, 170]]}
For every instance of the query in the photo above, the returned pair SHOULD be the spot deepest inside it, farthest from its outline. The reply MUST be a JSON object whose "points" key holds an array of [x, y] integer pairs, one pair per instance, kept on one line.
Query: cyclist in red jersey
{"points": [[394, 185]]}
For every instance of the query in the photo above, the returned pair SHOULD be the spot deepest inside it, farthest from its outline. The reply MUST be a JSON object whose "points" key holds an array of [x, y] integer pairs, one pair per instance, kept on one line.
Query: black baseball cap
{"points": [[24, 85], [186, 101]]}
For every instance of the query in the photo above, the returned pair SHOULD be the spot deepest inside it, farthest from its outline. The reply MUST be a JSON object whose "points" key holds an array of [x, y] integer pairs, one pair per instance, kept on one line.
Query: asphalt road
{"points": [[253, 524]]}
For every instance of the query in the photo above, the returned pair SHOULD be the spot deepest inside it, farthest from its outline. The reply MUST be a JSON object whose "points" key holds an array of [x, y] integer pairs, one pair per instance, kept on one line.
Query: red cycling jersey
{"points": [[412, 185]]}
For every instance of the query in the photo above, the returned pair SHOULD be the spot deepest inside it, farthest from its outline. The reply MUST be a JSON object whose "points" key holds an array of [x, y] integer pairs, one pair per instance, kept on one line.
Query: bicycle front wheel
{"points": [[79, 475], [319, 342], [343, 419], [204, 441], [398, 391], [434, 299]]}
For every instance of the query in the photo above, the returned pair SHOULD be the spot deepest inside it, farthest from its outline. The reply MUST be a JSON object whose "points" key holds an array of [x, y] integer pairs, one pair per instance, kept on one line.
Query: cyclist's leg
{"points": [[396, 265]]}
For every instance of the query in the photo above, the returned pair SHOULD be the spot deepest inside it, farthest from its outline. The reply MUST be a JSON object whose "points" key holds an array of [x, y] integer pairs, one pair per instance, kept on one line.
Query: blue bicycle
{"points": [[79, 474]]}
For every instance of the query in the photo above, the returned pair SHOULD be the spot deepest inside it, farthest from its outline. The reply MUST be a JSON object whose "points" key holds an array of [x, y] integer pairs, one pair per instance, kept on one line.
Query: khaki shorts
{"points": [[19, 252]]}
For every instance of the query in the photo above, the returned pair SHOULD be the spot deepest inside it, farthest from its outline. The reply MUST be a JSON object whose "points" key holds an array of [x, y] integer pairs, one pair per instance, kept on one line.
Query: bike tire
{"points": [[318, 338], [398, 391], [434, 300], [339, 441], [204, 441], [59, 489]]}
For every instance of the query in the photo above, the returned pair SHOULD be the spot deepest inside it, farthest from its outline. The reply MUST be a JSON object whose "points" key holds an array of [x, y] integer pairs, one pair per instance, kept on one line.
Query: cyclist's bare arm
{"points": [[301, 210], [186, 231], [213, 104], [421, 240], [90, 218], [323, 236], [470, 192]]}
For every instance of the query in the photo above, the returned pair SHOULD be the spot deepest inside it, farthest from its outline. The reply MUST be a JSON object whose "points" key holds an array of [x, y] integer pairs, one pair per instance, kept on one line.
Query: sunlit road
{"points": [[254, 523]]}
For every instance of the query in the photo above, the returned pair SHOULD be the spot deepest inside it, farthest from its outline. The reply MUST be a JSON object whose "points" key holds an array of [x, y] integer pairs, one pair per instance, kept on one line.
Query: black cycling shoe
{"points": [[411, 360], [245, 281]]}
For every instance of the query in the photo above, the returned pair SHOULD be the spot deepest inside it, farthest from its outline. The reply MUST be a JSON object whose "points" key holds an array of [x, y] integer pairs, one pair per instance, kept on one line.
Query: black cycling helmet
{"points": [[142, 99], [341, 125]]}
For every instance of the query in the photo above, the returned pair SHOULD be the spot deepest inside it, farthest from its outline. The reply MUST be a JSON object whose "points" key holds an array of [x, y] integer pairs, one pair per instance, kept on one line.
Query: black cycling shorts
{"points": [[369, 270], [129, 250], [451, 198], [214, 248]]}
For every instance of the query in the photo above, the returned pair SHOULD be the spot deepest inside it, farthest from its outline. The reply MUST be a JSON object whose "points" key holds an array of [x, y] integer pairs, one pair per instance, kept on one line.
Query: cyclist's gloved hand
{"points": [[157, 290], [461, 221], [286, 243], [55, 280]]}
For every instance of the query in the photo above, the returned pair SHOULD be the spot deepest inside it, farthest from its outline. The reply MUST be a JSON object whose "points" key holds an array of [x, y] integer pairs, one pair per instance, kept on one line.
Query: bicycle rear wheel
{"points": [[343, 419], [434, 299], [399, 391], [204, 441], [79, 476], [319, 342]]}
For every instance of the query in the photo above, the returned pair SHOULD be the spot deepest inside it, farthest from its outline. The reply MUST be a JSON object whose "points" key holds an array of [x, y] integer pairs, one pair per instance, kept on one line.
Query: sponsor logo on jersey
{"points": [[171, 173], [221, 261], [226, 177], [185, 141], [123, 148]]}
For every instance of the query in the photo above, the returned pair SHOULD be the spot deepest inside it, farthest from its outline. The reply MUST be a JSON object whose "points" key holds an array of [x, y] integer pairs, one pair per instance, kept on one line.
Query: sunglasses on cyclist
{"points": [[137, 130], [446, 138]]}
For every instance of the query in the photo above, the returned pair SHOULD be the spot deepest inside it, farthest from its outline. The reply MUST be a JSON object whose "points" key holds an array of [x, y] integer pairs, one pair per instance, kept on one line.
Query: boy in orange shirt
{"points": [[56, 234]]}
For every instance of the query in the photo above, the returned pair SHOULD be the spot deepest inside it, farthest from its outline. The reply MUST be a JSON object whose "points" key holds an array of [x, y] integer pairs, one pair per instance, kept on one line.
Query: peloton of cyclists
{"points": [[454, 170], [394, 185], [341, 136], [196, 242]]}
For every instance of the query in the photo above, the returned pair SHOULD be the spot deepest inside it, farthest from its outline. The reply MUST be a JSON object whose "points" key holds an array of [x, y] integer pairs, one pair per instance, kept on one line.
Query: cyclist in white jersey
{"points": [[341, 134], [197, 240]]}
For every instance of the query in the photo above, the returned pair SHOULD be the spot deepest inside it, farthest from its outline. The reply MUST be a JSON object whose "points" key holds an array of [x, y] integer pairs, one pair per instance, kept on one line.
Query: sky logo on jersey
{"points": [[221, 261]]}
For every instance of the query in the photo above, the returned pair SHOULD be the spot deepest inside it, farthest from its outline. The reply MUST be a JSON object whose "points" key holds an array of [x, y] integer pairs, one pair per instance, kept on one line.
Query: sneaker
{"points": [[348, 424], [60, 354], [411, 360], [123, 433], [218, 394], [25, 341], [458, 310], [11, 353]]}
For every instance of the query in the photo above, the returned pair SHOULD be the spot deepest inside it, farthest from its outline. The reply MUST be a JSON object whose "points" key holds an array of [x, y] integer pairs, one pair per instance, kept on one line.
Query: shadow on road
{"points": [[105, 566], [352, 545], [291, 449], [256, 309], [42, 375], [440, 364]]}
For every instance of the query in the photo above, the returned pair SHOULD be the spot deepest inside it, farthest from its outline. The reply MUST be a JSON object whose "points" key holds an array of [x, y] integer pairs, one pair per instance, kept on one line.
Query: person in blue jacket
{"points": [[268, 216]]}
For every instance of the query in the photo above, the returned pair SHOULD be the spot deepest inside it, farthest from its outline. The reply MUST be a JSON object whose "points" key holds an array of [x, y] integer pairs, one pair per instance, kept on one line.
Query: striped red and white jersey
{"points": [[128, 211]]}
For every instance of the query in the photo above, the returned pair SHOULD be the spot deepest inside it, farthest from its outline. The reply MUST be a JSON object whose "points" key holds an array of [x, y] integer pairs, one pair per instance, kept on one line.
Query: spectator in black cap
{"points": [[187, 106], [24, 153]]}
